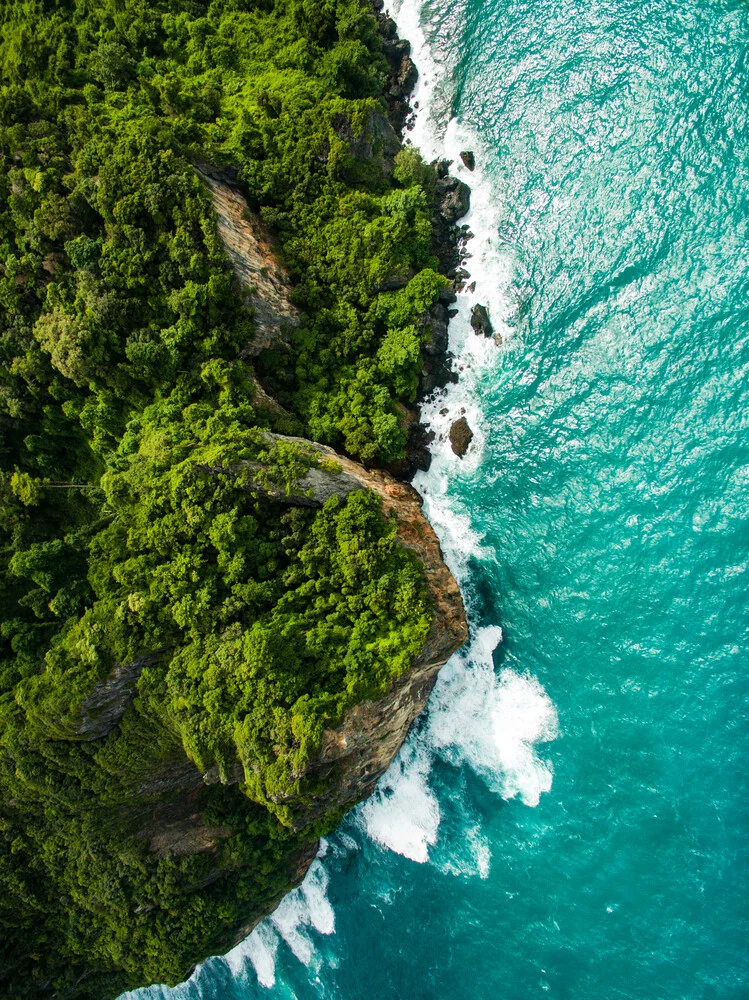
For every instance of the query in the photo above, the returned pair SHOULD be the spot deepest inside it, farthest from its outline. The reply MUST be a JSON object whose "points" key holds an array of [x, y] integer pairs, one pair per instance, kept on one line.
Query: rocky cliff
{"points": [[354, 755]]}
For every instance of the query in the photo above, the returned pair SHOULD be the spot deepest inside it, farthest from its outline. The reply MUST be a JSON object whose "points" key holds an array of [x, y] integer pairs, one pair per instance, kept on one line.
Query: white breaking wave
{"points": [[403, 813], [492, 723], [304, 909], [259, 950]]}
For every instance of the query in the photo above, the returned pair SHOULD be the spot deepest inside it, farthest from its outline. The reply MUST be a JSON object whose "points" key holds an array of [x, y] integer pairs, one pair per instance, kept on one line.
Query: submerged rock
{"points": [[480, 321], [468, 158], [461, 436]]}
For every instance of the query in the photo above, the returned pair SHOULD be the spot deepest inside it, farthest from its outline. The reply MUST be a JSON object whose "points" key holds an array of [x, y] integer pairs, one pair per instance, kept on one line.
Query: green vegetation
{"points": [[128, 524]]}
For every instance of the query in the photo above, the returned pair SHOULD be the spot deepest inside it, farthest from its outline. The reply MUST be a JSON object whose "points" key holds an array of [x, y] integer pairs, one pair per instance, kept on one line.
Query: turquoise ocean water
{"points": [[570, 817]]}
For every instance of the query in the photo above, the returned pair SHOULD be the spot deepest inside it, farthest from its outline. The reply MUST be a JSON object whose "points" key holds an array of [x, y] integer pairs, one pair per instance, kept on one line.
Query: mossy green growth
{"points": [[130, 531]]}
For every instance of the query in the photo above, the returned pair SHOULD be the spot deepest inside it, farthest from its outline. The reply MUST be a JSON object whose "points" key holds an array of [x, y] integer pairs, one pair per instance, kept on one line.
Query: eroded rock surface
{"points": [[254, 259], [101, 711]]}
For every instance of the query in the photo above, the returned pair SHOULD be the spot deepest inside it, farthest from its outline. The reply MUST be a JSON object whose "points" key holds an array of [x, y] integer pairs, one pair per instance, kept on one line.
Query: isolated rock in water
{"points": [[461, 436], [469, 160], [480, 321]]}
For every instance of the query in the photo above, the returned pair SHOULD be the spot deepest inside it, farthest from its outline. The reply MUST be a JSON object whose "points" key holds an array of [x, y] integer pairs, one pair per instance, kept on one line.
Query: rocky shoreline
{"points": [[449, 246]]}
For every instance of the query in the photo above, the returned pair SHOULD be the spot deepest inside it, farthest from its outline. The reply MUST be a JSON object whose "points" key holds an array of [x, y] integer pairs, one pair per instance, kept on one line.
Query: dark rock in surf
{"points": [[461, 436], [454, 198], [480, 321], [434, 321], [468, 158]]}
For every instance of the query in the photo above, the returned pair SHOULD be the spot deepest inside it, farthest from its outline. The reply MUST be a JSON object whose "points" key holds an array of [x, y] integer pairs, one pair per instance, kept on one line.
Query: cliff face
{"points": [[355, 755], [250, 248]]}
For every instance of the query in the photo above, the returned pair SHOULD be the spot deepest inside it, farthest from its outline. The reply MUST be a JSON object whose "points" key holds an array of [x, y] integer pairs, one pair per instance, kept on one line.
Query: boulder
{"points": [[480, 321], [468, 158], [461, 436], [447, 296], [402, 74], [454, 198]]}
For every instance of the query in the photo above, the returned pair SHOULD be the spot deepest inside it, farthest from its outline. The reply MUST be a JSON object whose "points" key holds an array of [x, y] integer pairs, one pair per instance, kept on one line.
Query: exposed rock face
{"points": [[436, 369], [253, 257], [461, 436], [468, 158], [454, 198], [480, 321], [418, 438], [186, 835], [453, 201], [371, 148], [402, 73], [104, 707]]}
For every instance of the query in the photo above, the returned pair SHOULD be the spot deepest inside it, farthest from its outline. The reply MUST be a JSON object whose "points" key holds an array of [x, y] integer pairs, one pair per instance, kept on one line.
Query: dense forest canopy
{"points": [[121, 387]]}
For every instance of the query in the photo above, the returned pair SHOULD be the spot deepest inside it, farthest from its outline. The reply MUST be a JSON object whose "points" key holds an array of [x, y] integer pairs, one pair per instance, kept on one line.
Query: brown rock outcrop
{"points": [[251, 250], [353, 756]]}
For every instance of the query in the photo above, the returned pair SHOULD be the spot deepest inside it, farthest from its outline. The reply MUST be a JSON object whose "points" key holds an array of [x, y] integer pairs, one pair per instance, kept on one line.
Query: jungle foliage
{"points": [[125, 411]]}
